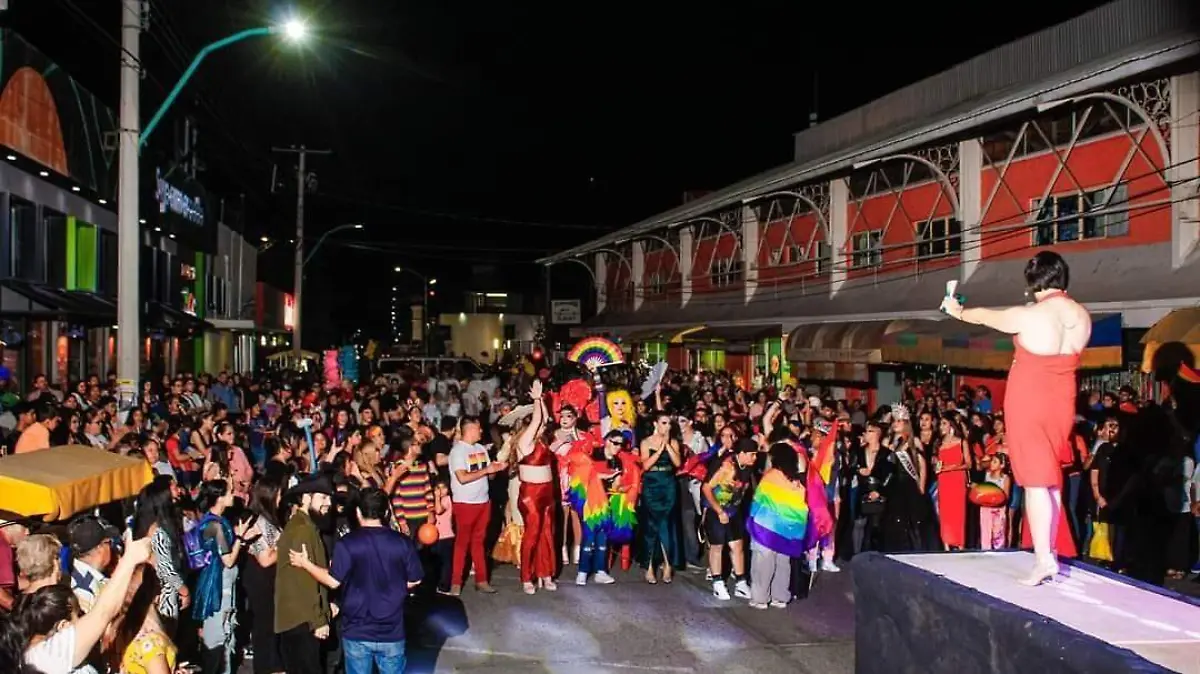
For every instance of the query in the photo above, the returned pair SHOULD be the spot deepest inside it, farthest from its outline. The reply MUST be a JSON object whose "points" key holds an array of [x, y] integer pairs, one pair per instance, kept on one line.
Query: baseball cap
{"points": [[88, 532], [746, 446]]}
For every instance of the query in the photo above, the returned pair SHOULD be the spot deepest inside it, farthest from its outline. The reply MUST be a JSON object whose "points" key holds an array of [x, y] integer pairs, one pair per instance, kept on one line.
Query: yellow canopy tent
{"points": [[1181, 326], [60, 482]]}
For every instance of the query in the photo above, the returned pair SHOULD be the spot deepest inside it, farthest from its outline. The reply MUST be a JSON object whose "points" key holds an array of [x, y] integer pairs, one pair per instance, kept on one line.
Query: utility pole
{"points": [[129, 308], [301, 185]]}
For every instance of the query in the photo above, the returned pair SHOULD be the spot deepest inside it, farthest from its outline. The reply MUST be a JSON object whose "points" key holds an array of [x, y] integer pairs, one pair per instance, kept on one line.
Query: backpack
{"points": [[198, 557]]}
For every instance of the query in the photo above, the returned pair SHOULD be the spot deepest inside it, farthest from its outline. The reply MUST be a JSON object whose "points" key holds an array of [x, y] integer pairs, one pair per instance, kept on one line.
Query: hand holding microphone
{"points": [[952, 303]]}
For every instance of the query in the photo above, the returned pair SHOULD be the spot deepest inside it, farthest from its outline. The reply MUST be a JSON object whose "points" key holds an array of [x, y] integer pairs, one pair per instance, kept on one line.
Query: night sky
{"points": [[467, 133]]}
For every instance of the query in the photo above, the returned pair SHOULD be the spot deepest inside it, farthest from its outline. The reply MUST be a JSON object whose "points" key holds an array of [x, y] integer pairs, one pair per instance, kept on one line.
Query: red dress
{"points": [[537, 502], [1039, 416], [952, 497]]}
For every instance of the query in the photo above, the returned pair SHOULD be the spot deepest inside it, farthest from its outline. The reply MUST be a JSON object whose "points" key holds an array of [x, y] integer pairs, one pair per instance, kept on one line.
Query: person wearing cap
{"points": [[302, 613], [91, 541], [730, 477]]}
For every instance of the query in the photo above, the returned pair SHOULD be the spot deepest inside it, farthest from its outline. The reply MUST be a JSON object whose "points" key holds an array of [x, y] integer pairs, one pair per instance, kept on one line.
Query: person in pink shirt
{"points": [[241, 473], [443, 550]]}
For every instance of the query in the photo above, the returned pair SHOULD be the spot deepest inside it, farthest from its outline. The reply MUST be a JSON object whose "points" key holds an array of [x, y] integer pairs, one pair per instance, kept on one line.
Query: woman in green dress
{"points": [[659, 519]]}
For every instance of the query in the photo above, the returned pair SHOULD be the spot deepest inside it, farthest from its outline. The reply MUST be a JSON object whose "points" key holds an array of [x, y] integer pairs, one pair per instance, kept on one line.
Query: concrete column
{"points": [[1184, 166], [970, 205], [750, 251], [638, 274], [601, 269], [687, 254], [839, 226]]}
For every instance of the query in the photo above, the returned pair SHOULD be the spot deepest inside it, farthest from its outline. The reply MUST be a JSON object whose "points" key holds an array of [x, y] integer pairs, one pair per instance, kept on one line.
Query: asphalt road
{"points": [[632, 626]]}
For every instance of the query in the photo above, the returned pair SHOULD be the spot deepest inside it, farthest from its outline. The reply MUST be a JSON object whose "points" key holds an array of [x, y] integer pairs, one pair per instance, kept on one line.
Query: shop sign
{"points": [[171, 199], [289, 311], [566, 312]]}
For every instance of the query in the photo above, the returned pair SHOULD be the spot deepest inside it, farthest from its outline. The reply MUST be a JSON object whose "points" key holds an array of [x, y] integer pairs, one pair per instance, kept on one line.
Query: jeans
{"points": [[443, 553], [363, 656], [593, 554]]}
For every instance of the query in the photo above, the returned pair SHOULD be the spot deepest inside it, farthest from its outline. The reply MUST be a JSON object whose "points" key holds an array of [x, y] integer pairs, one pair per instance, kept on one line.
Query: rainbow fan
{"points": [[595, 352], [1188, 374]]}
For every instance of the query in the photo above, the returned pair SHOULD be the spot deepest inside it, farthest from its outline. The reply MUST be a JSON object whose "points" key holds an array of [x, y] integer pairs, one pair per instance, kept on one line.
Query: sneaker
{"points": [[719, 590], [455, 591], [742, 589], [761, 607], [484, 588], [602, 578], [829, 566], [779, 604], [581, 578]]}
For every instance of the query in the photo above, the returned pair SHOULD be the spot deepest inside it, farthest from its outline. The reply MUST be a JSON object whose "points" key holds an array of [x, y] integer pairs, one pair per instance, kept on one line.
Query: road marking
{"points": [[594, 663]]}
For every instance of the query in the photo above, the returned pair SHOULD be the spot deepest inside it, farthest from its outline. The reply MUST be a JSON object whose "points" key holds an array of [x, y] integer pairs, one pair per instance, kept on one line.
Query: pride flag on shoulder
{"points": [[779, 515]]}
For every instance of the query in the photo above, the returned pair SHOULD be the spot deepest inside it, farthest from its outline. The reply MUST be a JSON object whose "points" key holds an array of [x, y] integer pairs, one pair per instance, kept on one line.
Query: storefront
{"points": [[273, 320]]}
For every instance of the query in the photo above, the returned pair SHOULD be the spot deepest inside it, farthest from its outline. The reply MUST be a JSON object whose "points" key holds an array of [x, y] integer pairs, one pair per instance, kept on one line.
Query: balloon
{"points": [[427, 534]]}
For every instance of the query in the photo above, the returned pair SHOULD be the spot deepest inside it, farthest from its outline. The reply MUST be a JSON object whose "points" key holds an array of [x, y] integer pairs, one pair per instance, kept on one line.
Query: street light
{"points": [[294, 30], [339, 228], [424, 304]]}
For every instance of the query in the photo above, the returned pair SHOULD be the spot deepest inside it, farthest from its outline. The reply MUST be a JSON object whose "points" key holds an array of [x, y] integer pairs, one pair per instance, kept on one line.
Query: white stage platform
{"points": [[1159, 628]]}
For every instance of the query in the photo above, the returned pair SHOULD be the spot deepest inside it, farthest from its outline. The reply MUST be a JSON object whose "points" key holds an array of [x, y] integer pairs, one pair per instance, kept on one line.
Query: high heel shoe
{"points": [[1041, 573], [650, 577], [528, 588], [548, 584], [668, 575]]}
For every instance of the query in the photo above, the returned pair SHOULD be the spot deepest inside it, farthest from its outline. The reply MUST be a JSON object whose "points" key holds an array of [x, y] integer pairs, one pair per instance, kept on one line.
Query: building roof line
{"points": [[1155, 54]]}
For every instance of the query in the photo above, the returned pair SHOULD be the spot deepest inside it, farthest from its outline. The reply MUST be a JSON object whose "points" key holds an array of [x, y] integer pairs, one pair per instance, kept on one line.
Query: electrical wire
{"points": [[458, 216], [986, 238]]}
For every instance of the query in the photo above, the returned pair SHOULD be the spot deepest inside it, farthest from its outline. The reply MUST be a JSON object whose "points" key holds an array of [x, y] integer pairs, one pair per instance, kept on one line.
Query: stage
{"points": [[966, 612]]}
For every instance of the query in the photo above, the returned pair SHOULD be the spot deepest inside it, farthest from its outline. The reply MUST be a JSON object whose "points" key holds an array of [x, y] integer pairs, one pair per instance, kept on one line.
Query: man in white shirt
{"points": [[470, 469]]}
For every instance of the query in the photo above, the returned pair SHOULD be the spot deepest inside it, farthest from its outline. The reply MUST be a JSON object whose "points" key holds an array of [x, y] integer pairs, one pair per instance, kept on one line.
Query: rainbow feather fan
{"points": [[594, 352], [779, 515], [623, 517], [585, 491], [1189, 374]]}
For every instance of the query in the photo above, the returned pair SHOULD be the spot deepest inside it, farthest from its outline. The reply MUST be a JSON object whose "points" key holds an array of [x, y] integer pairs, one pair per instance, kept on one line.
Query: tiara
{"points": [[900, 412]]}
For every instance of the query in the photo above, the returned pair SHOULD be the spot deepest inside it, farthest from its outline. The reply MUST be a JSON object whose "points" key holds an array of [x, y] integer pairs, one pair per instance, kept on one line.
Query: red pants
{"points": [[536, 505], [470, 523]]}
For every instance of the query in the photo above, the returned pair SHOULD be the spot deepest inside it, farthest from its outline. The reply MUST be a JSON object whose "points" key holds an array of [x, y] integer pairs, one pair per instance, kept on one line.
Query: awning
{"points": [[728, 337], [60, 482], [643, 336], [42, 302], [1175, 335], [165, 318], [858, 342], [975, 347], [811, 371]]}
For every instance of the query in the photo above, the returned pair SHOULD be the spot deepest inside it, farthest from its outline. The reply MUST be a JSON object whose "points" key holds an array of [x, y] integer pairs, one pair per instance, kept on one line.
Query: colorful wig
{"points": [[620, 409]]}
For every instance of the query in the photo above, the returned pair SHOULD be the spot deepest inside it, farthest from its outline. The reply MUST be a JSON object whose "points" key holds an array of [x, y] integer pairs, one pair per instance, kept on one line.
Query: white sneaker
{"points": [[581, 578], [779, 604], [761, 607], [719, 590], [742, 589], [828, 565], [602, 578]]}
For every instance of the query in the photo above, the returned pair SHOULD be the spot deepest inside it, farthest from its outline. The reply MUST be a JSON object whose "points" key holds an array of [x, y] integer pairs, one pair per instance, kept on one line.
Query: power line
{"points": [[458, 216]]}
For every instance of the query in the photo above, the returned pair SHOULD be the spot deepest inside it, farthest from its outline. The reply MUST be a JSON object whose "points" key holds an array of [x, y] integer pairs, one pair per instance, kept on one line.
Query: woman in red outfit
{"points": [[536, 499], [951, 465], [1039, 403]]}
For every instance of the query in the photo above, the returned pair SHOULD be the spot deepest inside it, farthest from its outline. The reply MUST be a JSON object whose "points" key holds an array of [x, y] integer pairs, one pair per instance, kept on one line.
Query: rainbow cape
{"points": [[622, 506], [585, 491], [779, 515]]}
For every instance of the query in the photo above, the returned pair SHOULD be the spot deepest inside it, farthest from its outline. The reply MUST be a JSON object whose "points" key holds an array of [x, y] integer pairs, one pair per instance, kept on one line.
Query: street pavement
{"points": [[631, 626]]}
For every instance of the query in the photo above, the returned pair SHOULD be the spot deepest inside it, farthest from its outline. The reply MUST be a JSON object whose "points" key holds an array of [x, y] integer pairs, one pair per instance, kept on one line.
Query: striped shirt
{"points": [[413, 496]]}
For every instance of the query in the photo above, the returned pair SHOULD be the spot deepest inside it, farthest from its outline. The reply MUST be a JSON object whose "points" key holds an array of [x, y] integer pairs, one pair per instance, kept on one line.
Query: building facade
{"points": [[58, 237], [1080, 139]]}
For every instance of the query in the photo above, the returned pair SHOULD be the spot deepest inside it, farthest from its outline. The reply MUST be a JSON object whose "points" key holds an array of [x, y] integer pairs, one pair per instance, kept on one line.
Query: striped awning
{"points": [[975, 347], [848, 342], [1181, 327]]}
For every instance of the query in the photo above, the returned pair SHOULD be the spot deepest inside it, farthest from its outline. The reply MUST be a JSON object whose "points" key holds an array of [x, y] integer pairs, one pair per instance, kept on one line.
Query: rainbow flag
{"points": [[824, 457], [622, 518], [779, 515]]}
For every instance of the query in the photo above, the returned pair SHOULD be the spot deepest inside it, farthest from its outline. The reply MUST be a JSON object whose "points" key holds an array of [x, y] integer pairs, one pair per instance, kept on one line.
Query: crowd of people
{"points": [[290, 521]]}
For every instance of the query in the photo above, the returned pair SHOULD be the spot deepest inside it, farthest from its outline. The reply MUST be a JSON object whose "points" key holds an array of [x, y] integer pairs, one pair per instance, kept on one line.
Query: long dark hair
{"points": [[264, 499], [156, 506]]}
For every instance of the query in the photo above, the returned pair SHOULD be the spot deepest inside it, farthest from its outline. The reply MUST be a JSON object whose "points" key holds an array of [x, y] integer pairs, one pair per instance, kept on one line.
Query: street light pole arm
{"points": [[191, 70], [321, 240]]}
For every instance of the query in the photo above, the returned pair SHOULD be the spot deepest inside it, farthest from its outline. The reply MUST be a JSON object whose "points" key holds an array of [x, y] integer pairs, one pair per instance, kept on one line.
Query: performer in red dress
{"points": [[1039, 403], [537, 499]]}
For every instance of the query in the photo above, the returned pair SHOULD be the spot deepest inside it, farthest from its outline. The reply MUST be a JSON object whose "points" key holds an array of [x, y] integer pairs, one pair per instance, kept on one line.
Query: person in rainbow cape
{"points": [[604, 486], [823, 435], [778, 526]]}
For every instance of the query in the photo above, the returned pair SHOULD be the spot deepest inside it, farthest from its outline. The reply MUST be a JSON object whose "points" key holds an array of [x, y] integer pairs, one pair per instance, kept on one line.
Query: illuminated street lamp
{"points": [[294, 30]]}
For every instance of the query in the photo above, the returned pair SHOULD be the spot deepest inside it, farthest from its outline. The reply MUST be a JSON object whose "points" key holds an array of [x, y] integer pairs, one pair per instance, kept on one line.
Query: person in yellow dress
{"points": [[141, 641]]}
